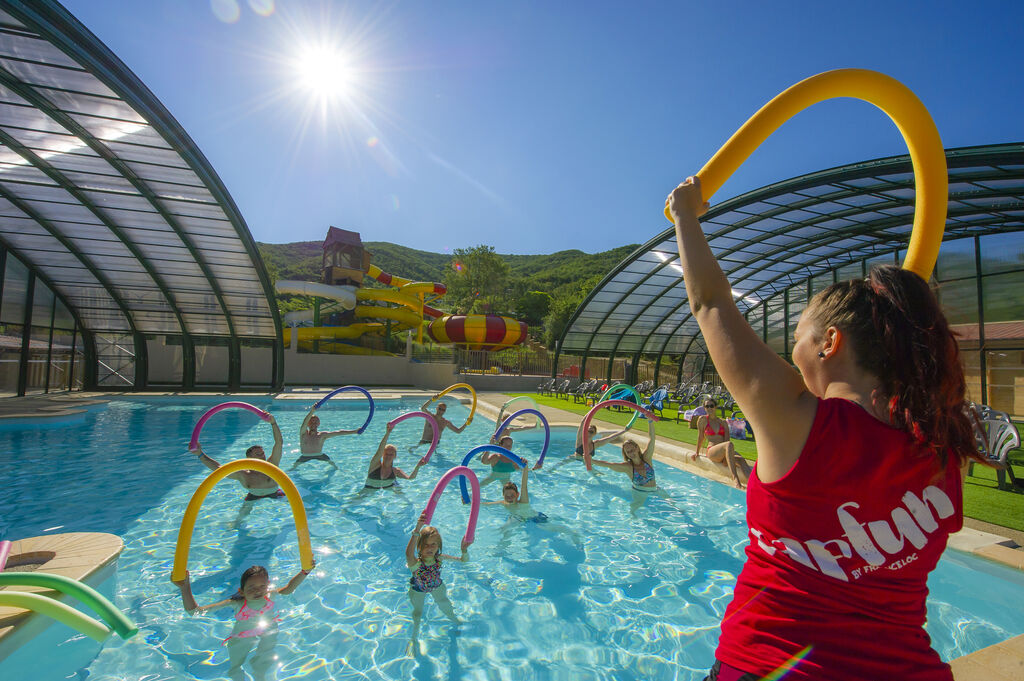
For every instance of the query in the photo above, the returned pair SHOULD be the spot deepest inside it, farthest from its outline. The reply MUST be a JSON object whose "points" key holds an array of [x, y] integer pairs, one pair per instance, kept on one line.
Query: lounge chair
{"points": [[1001, 438], [563, 388], [597, 391], [546, 386], [579, 395], [656, 402]]}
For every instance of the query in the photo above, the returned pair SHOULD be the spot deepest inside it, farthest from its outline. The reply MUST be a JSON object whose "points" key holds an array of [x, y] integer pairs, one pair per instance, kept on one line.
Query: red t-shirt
{"points": [[839, 555]]}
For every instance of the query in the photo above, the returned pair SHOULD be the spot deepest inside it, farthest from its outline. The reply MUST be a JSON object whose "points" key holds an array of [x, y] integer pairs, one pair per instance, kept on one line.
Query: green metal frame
{"points": [[987, 158], [66, 33]]}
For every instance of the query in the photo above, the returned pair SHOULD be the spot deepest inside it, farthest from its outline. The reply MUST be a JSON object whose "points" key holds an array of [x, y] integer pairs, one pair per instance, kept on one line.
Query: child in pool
{"points": [[423, 556], [255, 622], [516, 499]]}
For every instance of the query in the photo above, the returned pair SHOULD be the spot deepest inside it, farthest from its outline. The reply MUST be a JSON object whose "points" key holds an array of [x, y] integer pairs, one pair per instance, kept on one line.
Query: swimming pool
{"points": [[633, 597]]}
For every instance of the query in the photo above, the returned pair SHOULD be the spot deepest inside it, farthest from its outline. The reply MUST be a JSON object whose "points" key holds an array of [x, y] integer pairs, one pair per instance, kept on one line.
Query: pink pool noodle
{"points": [[265, 415], [5, 550], [474, 507], [433, 424], [590, 415]]}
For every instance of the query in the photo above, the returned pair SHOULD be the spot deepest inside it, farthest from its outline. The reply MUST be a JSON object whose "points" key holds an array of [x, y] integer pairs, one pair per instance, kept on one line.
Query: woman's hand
{"points": [[182, 583], [686, 200]]}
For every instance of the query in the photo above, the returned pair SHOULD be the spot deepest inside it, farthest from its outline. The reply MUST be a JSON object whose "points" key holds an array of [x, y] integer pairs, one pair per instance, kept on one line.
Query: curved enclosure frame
{"points": [[122, 239], [781, 244]]}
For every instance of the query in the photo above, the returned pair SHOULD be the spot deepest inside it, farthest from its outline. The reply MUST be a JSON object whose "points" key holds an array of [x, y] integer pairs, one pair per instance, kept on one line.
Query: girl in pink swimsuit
{"points": [[255, 618]]}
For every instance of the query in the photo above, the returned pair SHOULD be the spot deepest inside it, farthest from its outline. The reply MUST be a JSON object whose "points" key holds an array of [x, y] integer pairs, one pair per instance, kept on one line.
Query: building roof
{"points": [[108, 200], [342, 237], [784, 234]]}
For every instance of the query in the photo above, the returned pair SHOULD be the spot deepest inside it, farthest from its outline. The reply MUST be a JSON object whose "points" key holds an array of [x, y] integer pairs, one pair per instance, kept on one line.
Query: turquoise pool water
{"points": [[632, 597]]}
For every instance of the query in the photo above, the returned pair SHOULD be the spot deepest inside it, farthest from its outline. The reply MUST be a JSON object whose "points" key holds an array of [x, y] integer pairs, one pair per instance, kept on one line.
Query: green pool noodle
{"points": [[54, 609], [83, 592]]}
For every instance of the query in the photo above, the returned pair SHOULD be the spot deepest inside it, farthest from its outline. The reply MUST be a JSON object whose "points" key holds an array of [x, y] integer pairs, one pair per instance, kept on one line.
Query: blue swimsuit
{"points": [[641, 480]]}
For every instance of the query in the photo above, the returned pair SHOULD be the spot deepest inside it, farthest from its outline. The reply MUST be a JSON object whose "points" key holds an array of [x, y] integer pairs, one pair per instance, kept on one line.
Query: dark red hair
{"points": [[898, 333]]}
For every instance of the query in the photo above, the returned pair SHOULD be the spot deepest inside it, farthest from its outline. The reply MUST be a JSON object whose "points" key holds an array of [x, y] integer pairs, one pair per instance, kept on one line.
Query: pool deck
{"points": [[1001, 662]]}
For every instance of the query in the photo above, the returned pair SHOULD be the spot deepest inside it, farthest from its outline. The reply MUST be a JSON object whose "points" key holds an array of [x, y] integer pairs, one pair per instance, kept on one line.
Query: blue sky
{"points": [[536, 126]]}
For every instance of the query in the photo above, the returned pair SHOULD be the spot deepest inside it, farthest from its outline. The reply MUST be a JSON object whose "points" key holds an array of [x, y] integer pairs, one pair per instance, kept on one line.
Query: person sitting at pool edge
{"points": [[442, 423], [382, 473], [311, 440], [720, 448], [258, 485]]}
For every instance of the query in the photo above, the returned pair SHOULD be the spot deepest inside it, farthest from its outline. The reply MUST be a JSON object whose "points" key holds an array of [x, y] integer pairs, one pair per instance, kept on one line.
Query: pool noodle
{"points": [[188, 521], [83, 592], [901, 105], [56, 610], [540, 417], [515, 458], [622, 388], [603, 405], [474, 509], [456, 386], [433, 424], [348, 388], [5, 550], [265, 415]]}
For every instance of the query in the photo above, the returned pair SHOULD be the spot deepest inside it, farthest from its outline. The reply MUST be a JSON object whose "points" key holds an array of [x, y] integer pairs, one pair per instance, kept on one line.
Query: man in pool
{"points": [[311, 440], [442, 423], [258, 485]]}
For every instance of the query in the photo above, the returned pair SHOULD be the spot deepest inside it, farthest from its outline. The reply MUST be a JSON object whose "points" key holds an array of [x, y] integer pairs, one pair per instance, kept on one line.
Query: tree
{"points": [[477, 280], [533, 306], [562, 309]]}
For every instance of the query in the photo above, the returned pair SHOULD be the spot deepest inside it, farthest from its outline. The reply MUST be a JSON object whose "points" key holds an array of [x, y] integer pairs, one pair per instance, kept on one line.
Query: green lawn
{"points": [[982, 499]]}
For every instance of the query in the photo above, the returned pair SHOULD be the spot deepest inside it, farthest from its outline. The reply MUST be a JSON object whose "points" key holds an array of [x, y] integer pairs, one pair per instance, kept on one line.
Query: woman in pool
{"points": [[442, 424], [257, 485], [857, 484], [382, 472], [501, 467], [311, 440], [636, 463], [423, 556], [255, 626], [715, 432], [590, 444]]}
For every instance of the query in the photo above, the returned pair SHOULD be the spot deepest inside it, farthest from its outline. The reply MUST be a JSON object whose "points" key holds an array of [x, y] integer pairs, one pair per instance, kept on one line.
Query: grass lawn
{"points": [[983, 500]]}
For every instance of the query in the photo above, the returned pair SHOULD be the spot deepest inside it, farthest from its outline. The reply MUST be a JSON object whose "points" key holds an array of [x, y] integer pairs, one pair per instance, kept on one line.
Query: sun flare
{"points": [[325, 71]]}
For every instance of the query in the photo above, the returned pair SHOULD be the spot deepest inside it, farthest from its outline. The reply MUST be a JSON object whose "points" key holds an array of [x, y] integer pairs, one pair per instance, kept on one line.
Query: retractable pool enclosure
{"points": [[125, 262], [780, 244]]}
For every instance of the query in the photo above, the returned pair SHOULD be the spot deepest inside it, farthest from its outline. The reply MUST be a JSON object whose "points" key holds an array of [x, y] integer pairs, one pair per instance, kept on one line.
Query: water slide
{"points": [[408, 313]]}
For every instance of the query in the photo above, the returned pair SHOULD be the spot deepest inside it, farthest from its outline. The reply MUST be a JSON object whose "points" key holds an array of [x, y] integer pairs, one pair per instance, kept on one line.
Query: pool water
{"points": [[600, 592]]}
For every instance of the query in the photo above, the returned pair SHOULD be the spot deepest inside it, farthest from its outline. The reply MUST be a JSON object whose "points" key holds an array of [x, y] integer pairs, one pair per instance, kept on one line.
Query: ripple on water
{"points": [[635, 595]]}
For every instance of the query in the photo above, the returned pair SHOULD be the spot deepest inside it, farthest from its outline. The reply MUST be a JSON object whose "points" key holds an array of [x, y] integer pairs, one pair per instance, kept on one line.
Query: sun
{"points": [[325, 71]]}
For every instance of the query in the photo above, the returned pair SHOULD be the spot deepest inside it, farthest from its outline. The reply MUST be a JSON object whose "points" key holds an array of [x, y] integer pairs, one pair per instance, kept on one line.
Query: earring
{"points": [[821, 354]]}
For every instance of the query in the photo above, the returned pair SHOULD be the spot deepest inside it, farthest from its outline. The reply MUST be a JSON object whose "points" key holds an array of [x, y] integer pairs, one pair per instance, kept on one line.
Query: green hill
{"points": [[566, 276], [555, 273]]}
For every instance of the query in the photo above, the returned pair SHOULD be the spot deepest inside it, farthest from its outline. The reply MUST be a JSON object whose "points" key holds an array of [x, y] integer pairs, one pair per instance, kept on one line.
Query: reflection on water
{"points": [[631, 596]]}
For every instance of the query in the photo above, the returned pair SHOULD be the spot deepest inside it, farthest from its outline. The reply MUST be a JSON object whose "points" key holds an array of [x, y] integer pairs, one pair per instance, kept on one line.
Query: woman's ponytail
{"points": [[900, 335]]}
